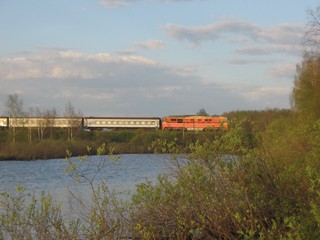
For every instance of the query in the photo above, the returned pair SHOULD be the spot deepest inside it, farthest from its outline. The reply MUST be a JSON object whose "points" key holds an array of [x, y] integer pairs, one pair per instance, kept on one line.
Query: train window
{"points": [[131, 122], [180, 120]]}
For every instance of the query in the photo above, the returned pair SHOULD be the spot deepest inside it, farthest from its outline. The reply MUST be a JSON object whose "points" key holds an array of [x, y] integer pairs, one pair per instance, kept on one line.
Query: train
{"points": [[173, 122]]}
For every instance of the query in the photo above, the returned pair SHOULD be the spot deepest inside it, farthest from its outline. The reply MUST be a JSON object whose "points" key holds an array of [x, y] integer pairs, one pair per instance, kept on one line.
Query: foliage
{"points": [[23, 216], [14, 106], [306, 93], [55, 142], [229, 189], [105, 215], [244, 184], [259, 119], [202, 112], [311, 36]]}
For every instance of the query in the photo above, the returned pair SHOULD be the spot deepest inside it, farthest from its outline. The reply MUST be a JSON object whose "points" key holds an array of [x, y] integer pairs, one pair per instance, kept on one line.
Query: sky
{"points": [[151, 58]]}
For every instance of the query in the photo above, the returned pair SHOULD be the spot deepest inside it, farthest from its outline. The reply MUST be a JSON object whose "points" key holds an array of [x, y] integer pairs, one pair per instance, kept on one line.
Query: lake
{"points": [[49, 175]]}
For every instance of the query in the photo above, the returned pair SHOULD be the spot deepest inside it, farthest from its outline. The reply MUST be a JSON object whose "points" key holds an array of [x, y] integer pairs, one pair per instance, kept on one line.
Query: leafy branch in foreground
{"points": [[25, 216], [105, 215]]}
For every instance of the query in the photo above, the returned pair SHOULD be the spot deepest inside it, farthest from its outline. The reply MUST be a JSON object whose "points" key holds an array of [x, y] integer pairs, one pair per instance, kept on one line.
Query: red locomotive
{"points": [[194, 123]]}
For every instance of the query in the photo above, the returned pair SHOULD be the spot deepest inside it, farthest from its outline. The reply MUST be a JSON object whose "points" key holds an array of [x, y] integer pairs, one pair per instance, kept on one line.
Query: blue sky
{"points": [[151, 57]]}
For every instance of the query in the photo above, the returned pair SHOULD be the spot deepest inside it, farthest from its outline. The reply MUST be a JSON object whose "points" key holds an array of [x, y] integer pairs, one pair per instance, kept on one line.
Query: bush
{"points": [[229, 189]]}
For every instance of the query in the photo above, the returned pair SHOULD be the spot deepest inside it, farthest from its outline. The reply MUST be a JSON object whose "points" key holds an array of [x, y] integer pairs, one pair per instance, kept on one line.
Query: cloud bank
{"points": [[107, 85], [281, 38]]}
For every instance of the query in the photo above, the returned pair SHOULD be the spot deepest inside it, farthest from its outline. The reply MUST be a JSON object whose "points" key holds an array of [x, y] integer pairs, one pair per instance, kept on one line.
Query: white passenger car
{"points": [[45, 122], [121, 123], [3, 122]]}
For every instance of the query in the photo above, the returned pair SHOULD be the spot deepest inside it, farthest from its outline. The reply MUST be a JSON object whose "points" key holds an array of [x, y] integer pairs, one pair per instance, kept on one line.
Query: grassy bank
{"points": [[125, 141]]}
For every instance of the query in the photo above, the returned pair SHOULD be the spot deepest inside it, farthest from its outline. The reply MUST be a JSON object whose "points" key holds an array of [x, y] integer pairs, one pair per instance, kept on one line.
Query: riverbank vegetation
{"points": [[245, 184], [123, 141]]}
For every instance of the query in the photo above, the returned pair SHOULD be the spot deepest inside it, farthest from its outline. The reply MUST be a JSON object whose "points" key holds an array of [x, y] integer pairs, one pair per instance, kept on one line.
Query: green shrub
{"points": [[233, 189]]}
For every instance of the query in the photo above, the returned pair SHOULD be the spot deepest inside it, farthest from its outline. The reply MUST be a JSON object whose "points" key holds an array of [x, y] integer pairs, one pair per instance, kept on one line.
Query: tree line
{"points": [[14, 109]]}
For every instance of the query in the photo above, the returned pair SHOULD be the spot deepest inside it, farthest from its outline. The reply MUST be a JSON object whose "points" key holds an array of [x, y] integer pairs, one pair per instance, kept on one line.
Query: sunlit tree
{"points": [[44, 120], [306, 92]]}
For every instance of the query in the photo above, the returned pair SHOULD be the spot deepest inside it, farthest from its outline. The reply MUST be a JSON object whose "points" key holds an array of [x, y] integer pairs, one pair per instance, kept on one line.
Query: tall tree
{"points": [[306, 92], [73, 119], [51, 115], [14, 106], [312, 33]]}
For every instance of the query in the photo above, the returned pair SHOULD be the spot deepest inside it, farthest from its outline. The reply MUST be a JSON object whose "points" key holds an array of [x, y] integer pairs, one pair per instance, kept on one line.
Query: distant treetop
{"points": [[202, 112]]}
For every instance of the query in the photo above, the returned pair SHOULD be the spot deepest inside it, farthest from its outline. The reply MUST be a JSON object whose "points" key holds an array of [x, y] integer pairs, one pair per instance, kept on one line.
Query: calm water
{"points": [[49, 175]]}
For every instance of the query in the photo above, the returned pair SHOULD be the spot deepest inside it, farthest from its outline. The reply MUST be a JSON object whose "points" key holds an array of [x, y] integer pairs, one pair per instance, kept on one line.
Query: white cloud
{"points": [[126, 52], [114, 3], [268, 96], [270, 49], [281, 38], [283, 33], [265, 92], [286, 70], [130, 85], [125, 3], [150, 44], [67, 64], [210, 32], [242, 61]]}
